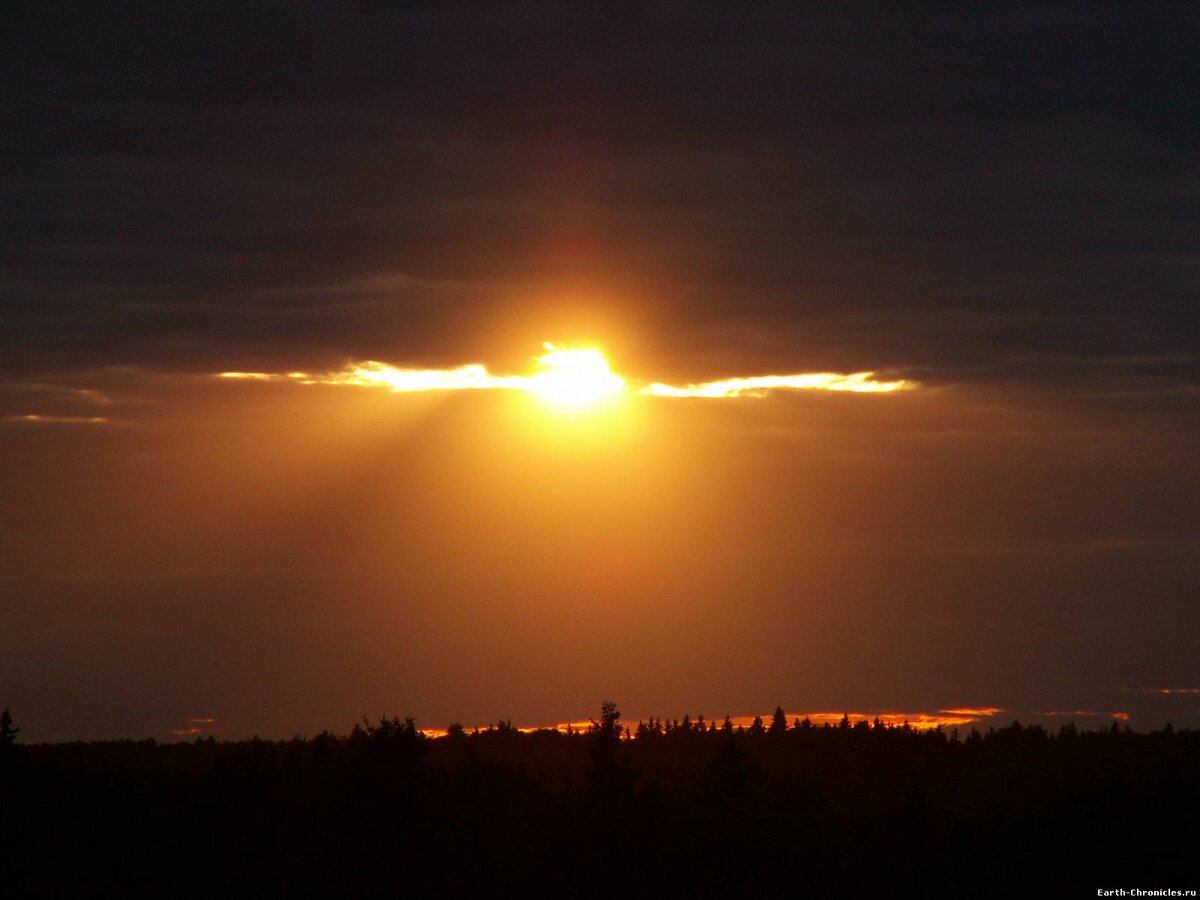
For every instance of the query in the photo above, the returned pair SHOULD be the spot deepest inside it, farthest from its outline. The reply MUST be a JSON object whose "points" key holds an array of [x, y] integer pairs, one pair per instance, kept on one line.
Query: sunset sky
{"points": [[285, 441]]}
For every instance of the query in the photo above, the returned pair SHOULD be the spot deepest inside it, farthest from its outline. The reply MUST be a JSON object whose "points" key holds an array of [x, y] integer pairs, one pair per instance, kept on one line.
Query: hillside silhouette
{"points": [[661, 807]]}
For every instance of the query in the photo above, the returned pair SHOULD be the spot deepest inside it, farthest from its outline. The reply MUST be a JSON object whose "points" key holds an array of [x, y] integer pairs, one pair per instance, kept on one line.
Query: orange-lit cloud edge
{"points": [[567, 373]]}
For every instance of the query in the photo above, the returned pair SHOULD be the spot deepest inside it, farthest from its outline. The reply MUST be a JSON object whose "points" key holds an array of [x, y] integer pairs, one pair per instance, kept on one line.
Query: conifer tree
{"points": [[8, 731]]}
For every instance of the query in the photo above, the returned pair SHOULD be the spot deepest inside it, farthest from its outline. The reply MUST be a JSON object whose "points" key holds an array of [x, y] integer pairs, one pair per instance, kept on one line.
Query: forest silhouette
{"points": [[675, 807]]}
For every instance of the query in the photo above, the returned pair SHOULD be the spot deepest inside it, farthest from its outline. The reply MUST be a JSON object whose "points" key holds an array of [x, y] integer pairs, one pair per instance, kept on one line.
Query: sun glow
{"points": [[574, 378]]}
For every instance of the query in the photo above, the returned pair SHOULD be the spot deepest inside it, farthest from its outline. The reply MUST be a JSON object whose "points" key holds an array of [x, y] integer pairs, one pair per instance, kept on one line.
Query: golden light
{"points": [[574, 379], [856, 382]]}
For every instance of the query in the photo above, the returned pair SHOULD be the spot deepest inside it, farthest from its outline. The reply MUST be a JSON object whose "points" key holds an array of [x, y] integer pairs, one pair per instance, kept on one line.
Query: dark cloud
{"points": [[191, 187]]}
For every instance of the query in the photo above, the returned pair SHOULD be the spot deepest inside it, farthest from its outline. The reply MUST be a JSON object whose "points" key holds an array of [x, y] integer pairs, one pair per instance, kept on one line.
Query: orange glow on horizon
{"points": [[561, 728], [918, 721]]}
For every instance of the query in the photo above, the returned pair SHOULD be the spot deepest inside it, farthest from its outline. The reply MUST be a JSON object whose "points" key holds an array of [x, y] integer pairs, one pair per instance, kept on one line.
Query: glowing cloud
{"points": [[253, 376], [572, 378], [464, 378], [378, 374], [976, 711], [858, 382], [567, 377]]}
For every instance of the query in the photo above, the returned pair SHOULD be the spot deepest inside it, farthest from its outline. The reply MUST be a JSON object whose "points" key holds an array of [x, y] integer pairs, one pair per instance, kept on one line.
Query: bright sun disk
{"points": [[574, 378]]}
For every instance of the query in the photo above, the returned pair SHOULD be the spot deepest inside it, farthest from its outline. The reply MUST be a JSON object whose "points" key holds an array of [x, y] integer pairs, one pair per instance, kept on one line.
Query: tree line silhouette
{"points": [[692, 806]]}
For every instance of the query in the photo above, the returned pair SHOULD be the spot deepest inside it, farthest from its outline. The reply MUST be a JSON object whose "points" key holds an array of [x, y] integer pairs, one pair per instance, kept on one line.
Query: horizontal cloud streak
{"points": [[378, 374], [38, 419], [1052, 713], [475, 376], [857, 382]]}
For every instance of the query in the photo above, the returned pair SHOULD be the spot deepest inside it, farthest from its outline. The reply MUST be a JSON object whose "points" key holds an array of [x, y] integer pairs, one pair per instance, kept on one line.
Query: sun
{"points": [[574, 379]]}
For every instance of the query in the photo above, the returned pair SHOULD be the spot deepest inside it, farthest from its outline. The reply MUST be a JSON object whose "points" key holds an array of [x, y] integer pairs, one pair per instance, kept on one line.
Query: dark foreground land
{"points": [[682, 809]]}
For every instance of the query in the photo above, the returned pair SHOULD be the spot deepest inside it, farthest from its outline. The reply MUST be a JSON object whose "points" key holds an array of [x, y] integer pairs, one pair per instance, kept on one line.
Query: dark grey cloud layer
{"points": [[959, 193]]}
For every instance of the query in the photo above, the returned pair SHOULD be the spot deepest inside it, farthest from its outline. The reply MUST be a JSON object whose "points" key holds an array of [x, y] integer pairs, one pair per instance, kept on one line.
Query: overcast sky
{"points": [[999, 203]]}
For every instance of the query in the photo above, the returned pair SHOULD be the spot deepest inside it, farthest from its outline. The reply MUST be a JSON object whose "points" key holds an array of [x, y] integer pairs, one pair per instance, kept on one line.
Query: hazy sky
{"points": [[998, 204]]}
